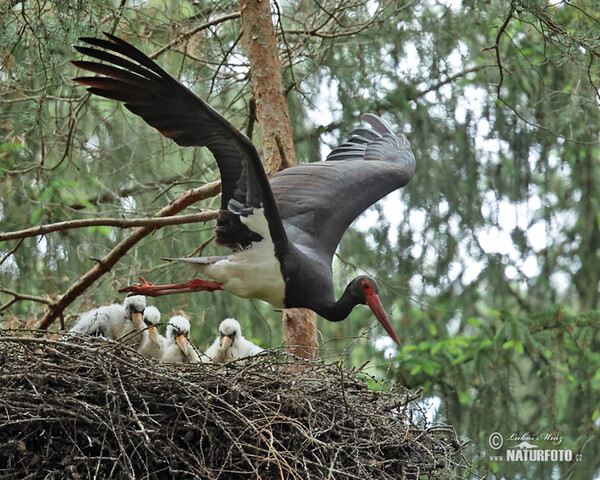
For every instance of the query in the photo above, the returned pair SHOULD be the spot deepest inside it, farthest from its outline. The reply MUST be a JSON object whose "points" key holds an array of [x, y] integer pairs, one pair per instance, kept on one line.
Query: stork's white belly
{"points": [[251, 273]]}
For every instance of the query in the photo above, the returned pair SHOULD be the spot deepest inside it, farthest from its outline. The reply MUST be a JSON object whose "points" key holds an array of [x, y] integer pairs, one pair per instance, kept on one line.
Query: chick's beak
{"points": [[138, 320], [183, 344], [153, 334], [226, 342]]}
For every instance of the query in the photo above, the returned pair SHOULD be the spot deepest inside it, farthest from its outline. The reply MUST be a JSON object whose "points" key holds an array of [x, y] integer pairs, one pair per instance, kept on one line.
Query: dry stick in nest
{"points": [[95, 408], [104, 265]]}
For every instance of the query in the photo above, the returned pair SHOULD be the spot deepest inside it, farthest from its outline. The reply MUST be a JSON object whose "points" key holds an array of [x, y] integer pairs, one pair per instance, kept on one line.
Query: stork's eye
{"points": [[367, 287]]}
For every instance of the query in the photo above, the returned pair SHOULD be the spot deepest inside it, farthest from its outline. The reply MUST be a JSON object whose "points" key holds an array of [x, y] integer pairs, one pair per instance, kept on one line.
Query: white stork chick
{"points": [[112, 321], [133, 325], [230, 345], [93, 322], [177, 344], [152, 344]]}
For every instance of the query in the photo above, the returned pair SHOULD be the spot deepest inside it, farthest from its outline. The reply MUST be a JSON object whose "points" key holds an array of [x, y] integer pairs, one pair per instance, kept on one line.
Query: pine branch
{"points": [[110, 222], [24, 296], [496, 48], [343, 30], [193, 31]]}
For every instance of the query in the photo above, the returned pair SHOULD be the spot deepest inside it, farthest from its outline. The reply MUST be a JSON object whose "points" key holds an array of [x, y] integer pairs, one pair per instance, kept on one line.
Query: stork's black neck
{"points": [[336, 311], [308, 284], [322, 301]]}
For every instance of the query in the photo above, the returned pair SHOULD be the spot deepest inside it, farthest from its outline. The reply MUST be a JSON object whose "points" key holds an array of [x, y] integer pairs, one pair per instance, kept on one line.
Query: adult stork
{"points": [[284, 231], [230, 344]]}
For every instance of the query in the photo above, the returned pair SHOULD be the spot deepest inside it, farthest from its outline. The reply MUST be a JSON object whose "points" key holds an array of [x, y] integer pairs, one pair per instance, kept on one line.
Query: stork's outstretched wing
{"points": [[318, 201], [165, 104]]}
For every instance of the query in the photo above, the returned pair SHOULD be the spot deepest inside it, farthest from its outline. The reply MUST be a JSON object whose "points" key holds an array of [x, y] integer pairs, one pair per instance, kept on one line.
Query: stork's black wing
{"points": [[318, 201], [165, 104]]}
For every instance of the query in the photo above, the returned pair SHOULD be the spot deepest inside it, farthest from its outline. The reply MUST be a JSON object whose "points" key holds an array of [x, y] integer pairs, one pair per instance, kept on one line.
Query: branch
{"points": [[110, 222], [192, 31], [38, 99], [221, 63], [590, 75], [448, 80], [320, 130], [23, 296], [11, 252], [496, 47], [109, 196], [347, 31], [103, 266]]}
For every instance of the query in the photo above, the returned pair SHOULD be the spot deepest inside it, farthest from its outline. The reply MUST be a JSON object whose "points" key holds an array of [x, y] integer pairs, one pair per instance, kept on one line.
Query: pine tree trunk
{"points": [[260, 43]]}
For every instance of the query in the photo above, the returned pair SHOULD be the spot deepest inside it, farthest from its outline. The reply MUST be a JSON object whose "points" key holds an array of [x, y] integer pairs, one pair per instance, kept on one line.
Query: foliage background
{"points": [[488, 260]]}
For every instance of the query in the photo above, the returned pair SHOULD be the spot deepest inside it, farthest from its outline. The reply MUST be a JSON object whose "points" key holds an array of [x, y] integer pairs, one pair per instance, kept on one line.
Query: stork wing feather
{"points": [[318, 201], [167, 105]]}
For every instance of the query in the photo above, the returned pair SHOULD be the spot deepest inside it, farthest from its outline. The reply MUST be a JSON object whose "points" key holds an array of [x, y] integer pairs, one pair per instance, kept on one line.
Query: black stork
{"points": [[283, 231]]}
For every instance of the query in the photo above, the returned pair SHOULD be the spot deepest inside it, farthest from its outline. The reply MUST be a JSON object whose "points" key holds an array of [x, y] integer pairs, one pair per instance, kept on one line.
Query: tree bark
{"points": [[260, 44]]}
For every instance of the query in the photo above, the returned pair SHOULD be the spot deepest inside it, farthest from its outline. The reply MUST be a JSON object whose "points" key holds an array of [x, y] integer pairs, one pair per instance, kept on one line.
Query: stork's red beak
{"points": [[375, 304]]}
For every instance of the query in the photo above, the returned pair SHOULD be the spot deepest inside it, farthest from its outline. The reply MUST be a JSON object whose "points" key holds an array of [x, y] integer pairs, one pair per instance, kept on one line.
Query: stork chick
{"points": [[230, 344], [112, 321], [95, 322], [152, 344], [134, 320], [177, 345]]}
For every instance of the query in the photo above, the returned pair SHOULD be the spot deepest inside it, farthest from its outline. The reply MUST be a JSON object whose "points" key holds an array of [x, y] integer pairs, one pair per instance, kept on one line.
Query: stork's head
{"points": [[229, 330], [151, 320], [178, 330], [134, 310], [364, 289]]}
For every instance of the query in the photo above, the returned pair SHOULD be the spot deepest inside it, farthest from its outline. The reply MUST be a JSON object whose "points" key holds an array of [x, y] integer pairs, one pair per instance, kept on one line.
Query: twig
{"points": [[11, 252], [132, 410], [590, 75], [448, 80], [346, 32], [221, 63], [24, 296], [110, 222], [192, 31], [496, 47]]}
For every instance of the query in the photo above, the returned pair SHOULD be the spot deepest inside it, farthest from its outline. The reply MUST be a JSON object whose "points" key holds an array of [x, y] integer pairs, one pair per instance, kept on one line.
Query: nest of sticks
{"points": [[91, 408]]}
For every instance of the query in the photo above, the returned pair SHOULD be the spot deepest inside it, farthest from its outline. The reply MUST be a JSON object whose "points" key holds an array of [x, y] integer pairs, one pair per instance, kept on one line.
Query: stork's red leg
{"points": [[150, 290]]}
